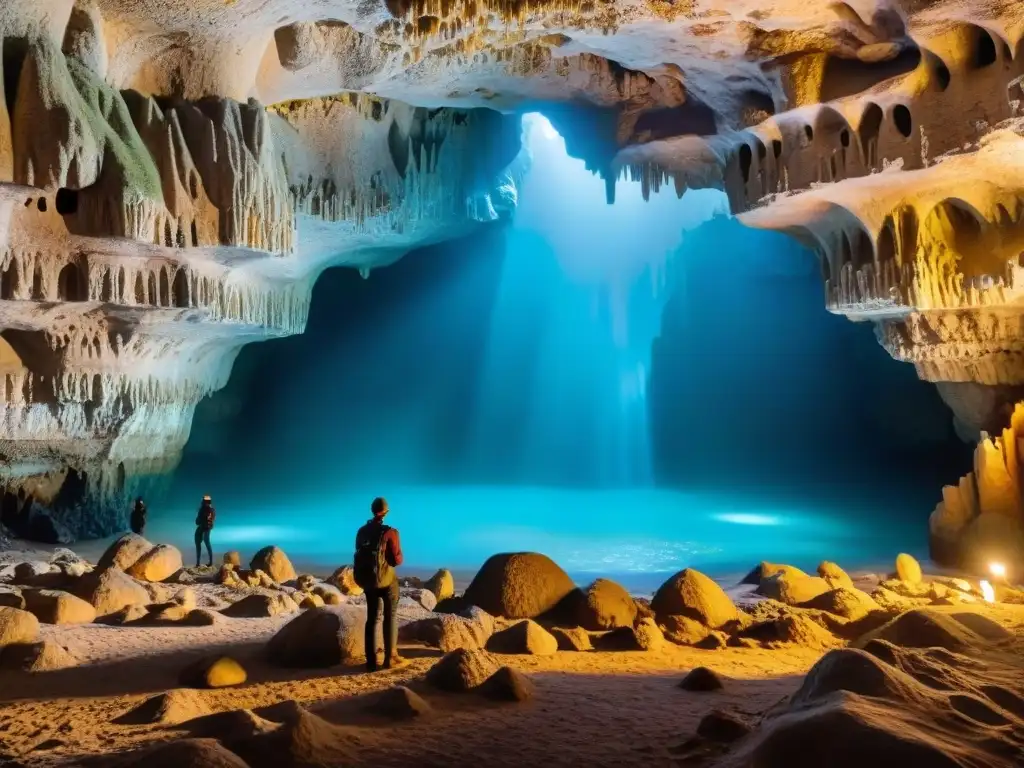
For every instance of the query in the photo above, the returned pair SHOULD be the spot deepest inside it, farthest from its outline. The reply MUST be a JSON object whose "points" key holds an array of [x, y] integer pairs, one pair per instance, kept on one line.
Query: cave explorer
{"points": [[138, 517], [378, 553], [204, 524]]}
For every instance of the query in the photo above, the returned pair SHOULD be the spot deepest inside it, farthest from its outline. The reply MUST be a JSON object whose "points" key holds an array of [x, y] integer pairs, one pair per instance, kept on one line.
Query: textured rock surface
{"points": [[320, 637], [692, 594], [522, 585], [275, 563]]}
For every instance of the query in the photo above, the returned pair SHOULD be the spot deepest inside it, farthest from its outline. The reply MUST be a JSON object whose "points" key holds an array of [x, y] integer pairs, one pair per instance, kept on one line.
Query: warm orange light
{"points": [[988, 592], [998, 570]]}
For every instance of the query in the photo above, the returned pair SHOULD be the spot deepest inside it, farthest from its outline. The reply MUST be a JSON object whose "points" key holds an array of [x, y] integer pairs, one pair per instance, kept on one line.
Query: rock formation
{"points": [[175, 175]]}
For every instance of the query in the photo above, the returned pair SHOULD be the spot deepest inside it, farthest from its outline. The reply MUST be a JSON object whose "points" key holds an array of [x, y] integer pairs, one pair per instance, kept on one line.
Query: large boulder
{"points": [[520, 585], [572, 639], [212, 672], [793, 589], [907, 568], [319, 637], [261, 606], [462, 670], [275, 563], [124, 552], [159, 564], [690, 593], [442, 584], [602, 605], [17, 627], [527, 637], [109, 590], [51, 606]]}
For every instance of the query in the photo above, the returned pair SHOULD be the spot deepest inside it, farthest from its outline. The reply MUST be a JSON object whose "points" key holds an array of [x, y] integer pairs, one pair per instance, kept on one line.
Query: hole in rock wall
{"points": [[942, 75], [848, 77], [71, 283], [41, 204], [9, 280], [985, 50], [746, 158], [37, 285], [14, 50], [165, 288], [66, 201], [902, 120], [140, 289], [868, 131], [107, 290], [181, 288], [153, 297], [955, 237]]}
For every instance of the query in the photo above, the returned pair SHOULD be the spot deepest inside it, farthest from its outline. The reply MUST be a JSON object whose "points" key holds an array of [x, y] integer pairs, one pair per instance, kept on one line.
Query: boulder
{"points": [[124, 552], [645, 636], [525, 637], [25, 573], [793, 589], [701, 679], [521, 585], [275, 563], [398, 703], [54, 607], [442, 584], [723, 727], [11, 597], [212, 672], [311, 600], [848, 602], [344, 578], [202, 617], [233, 558], [572, 639], [602, 605], [170, 708], [765, 570], [194, 753], [110, 589], [319, 637], [261, 606], [462, 670], [422, 597], [449, 631], [508, 684], [305, 582], [690, 593], [45, 656], [682, 630], [834, 575], [17, 626], [907, 568], [329, 594], [160, 563], [126, 615], [648, 636]]}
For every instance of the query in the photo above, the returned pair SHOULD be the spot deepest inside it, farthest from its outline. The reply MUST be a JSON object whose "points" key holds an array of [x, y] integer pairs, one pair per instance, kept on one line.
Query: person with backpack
{"points": [[378, 553], [204, 524], [138, 517]]}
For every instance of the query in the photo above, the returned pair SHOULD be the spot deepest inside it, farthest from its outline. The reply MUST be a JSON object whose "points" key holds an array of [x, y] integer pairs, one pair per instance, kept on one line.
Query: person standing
{"points": [[205, 518], [378, 554], [138, 517]]}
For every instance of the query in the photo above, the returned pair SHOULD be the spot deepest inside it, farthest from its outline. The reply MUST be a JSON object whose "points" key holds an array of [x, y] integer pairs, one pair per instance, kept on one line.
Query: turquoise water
{"points": [[636, 536]]}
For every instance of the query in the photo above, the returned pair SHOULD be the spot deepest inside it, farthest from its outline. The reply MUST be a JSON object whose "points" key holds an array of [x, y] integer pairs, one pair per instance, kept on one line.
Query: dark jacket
{"points": [[138, 517], [206, 516]]}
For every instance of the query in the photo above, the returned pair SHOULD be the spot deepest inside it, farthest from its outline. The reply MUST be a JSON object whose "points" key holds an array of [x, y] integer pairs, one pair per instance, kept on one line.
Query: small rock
{"points": [[17, 626], [275, 563], [160, 563], [834, 575], [648, 636], [260, 606], [305, 582], [11, 597], [701, 679], [715, 641], [572, 639], [722, 727], [319, 637], [449, 631], [344, 578], [202, 617], [524, 637], [27, 571], [602, 605], [331, 595], [54, 607], [683, 630], [126, 615], [233, 559], [311, 601], [110, 590], [442, 584], [907, 568], [422, 597], [848, 602], [45, 656], [792, 589], [263, 579], [170, 708], [462, 670], [213, 672], [398, 703], [765, 570], [508, 684], [691, 593], [195, 753]]}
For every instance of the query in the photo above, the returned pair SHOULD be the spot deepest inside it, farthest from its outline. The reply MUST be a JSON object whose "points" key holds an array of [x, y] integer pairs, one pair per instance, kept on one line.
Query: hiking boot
{"points": [[395, 661]]}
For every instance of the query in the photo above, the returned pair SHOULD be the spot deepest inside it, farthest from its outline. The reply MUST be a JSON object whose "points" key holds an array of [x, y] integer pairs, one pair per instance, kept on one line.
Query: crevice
{"points": [[903, 121]]}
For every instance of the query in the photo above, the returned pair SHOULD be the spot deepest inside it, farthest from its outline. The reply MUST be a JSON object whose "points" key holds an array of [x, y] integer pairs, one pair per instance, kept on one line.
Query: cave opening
{"points": [[578, 360], [71, 283]]}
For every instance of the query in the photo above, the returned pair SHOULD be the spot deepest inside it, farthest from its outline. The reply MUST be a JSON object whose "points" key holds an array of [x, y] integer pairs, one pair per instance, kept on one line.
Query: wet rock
{"points": [[398, 703], [17, 626], [275, 563], [344, 578], [723, 727], [109, 590], [213, 672], [521, 585], [45, 656], [508, 684], [442, 584], [319, 637], [834, 575], [54, 607], [260, 606], [907, 568], [462, 670], [124, 552], [572, 639], [690, 593], [701, 679], [158, 564], [524, 637], [602, 605]]}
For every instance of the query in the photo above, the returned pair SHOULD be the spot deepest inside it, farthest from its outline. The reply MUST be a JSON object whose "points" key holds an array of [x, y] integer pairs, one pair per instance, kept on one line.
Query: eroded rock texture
{"points": [[174, 174]]}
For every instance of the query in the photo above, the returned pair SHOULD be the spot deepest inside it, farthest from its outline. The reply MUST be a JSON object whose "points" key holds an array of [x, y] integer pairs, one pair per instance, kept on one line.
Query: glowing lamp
{"points": [[998, 570], [988, 592]]}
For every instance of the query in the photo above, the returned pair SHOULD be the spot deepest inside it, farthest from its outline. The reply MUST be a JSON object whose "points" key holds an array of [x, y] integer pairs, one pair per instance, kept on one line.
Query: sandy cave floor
{"points": [[590, 708]]}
